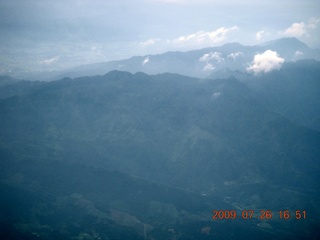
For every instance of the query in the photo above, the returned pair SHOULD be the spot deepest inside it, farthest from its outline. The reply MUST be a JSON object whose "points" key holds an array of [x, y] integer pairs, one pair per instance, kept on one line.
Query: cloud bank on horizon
{"points": [[195, 40], [83, 31], [301, 29], [202, 39]]}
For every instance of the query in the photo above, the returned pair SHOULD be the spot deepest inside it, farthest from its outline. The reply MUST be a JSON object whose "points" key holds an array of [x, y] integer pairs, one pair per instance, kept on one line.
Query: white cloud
{"points": [[145, 61], [49, 61], [149, 42], [265, 62], [216, 94], [298, 53], [196, 40], [208, 67], [302, 28], [313, 23], [296, 30], [202, 38], [261, 35], [235, 55], [211, 56]]}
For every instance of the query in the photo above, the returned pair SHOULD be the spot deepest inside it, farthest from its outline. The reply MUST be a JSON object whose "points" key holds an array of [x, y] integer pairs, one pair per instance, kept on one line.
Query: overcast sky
{"points": [[42, 33]]}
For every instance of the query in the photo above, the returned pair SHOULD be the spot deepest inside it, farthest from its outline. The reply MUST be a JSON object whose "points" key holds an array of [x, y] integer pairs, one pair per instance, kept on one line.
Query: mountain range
{"points": [[129, 155], [211, 62]]}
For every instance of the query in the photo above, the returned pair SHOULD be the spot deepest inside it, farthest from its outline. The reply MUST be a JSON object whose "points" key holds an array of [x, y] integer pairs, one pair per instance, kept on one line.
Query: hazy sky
{"points": [[47, 34]]}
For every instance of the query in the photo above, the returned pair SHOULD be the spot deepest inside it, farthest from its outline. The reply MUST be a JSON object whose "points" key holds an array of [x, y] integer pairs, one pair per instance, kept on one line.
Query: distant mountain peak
{"points": [[201, 63], [286, 42], [232, 45]]}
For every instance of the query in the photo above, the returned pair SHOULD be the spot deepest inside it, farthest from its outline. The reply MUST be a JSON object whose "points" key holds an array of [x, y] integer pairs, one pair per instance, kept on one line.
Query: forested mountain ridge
{"points": [[212, 139], [292, 91]]}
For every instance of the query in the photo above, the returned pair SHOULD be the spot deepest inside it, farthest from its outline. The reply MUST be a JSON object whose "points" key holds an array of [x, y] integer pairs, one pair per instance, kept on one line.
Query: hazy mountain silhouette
{"points": [[197, 63]]}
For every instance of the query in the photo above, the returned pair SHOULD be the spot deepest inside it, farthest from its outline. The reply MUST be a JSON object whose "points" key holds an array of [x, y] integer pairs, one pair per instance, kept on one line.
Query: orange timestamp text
{"points": [[262, 214]]}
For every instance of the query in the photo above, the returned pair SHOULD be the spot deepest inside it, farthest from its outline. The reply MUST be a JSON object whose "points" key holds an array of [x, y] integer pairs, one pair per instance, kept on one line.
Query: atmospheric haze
{"points": [[159, 119], [53, 35]]}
